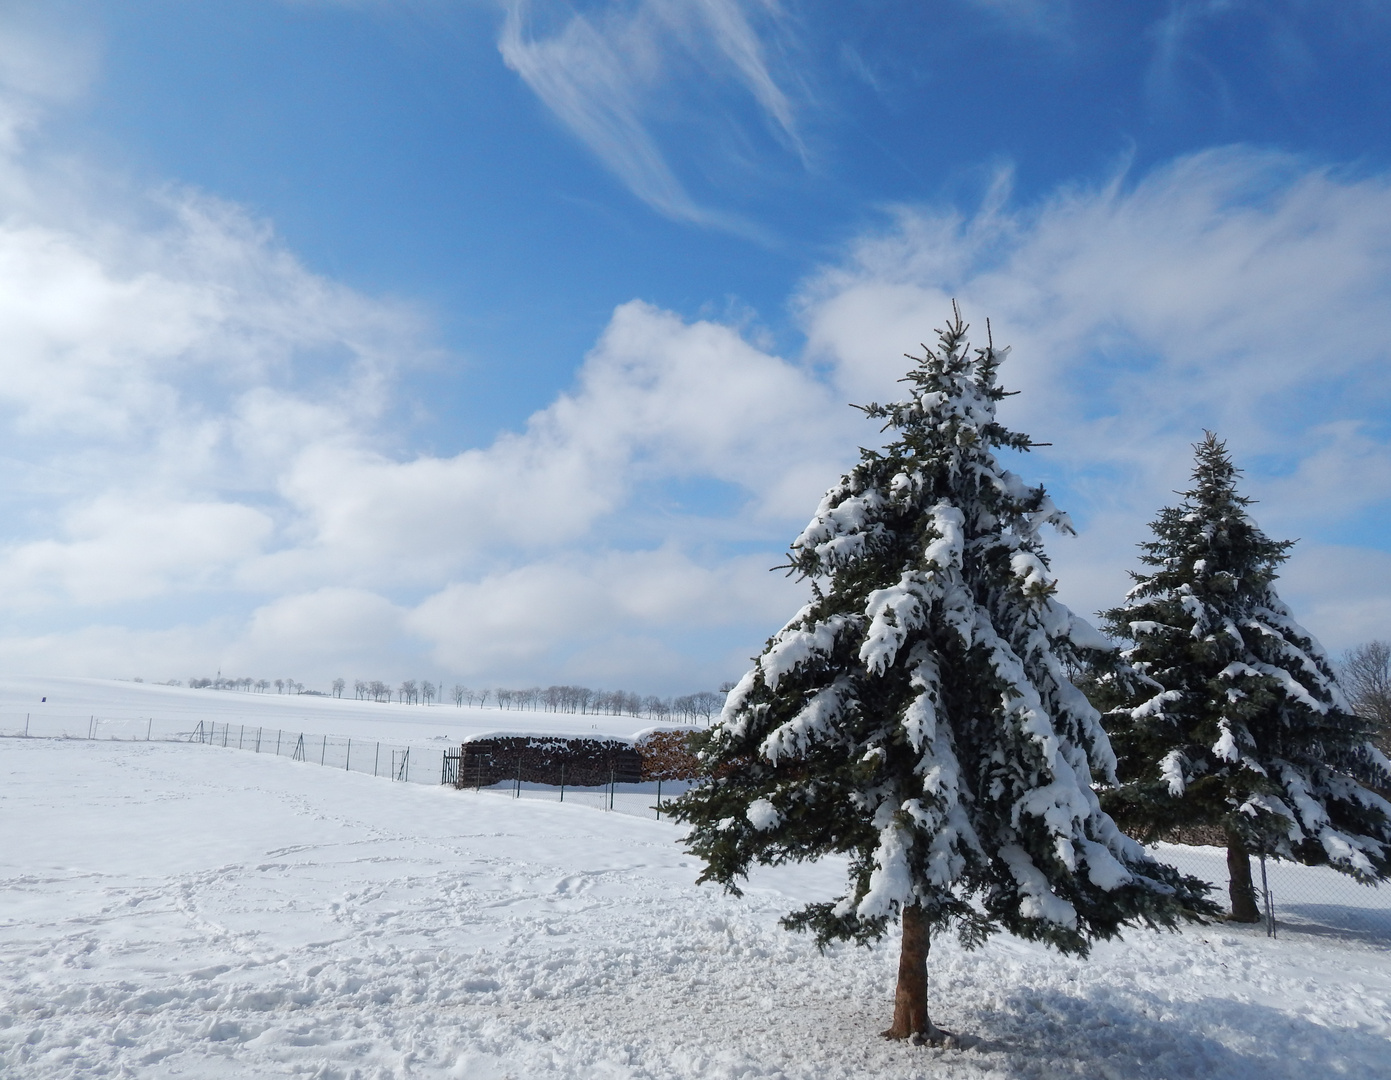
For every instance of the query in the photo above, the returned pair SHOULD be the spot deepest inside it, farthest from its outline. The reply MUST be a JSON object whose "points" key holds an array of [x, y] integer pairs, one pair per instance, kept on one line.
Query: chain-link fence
{"points": [[1319, 900], [390, 761], [1307, 899]]}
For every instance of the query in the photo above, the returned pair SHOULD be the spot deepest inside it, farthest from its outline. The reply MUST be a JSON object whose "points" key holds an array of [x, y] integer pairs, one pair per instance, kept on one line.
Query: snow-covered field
{"points": [[172, 910], [123, 707]]}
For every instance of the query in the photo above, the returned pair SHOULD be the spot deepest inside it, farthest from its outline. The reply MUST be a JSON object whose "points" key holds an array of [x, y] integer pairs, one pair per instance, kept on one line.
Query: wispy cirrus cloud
{"points": [[607, 74]]}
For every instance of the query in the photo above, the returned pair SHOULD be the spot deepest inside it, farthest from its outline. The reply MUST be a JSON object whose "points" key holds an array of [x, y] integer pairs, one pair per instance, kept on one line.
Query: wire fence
{"points": [[48, 725], [1304, 899], [390, 761]]}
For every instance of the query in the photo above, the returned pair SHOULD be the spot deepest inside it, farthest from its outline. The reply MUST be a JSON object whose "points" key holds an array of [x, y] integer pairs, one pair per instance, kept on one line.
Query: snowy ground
{"points": [[122, 708], [171, 910]]}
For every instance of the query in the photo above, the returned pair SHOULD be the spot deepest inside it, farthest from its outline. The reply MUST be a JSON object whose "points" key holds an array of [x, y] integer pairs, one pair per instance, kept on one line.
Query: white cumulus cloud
{"points": [[1237, 290], [198, 472]]}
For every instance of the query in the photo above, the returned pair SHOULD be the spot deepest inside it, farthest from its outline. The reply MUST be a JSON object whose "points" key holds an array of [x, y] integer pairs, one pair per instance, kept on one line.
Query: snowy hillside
{"points": [[169, 910], [70, 703]]}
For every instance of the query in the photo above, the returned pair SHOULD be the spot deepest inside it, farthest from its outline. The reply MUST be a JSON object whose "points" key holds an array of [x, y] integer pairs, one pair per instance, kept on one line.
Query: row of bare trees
{"points": [[409, 692], [687, 709], [248, 685]]}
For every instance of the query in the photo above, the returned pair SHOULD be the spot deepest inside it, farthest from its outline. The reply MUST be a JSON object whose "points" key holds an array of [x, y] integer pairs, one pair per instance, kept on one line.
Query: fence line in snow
{"points": [[393, 761]]}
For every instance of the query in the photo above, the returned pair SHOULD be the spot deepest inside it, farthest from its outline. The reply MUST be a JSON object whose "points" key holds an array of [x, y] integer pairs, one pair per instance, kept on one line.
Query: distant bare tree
{"points": [[1366, 680], [279, 686], [338, 685], [707, 703], [483, 697], [651, 705], [427, 691], [460, 692]]}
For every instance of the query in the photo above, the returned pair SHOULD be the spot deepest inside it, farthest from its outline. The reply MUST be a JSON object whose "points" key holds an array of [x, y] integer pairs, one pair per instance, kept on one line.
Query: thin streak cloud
{"points": [[602, 76]]}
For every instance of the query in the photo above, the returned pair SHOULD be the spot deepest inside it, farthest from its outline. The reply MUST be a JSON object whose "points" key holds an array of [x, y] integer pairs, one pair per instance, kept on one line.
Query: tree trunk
{"points": [[910, 999], [1243, 892]]}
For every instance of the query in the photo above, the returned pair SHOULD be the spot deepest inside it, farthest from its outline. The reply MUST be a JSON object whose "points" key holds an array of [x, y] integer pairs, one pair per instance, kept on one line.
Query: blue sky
{"points": [[510, 342]]}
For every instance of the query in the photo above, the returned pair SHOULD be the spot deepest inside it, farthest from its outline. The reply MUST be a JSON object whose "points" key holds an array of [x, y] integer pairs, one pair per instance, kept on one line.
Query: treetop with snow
{"points": [[918, 715], [1229, 714]]}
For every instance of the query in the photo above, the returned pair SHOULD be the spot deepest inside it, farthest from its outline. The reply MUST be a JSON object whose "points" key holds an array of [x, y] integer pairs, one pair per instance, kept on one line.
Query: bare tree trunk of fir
{"points": [[1243, 892], [910, 998]]}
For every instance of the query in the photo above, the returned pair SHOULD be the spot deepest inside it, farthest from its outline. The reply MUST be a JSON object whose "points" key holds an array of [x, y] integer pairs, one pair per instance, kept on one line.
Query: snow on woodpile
{"points": [[548, 759], [538, 758]]}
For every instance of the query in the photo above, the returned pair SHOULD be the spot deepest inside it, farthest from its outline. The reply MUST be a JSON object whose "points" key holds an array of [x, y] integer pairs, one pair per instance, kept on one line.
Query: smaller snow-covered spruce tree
{"points": [[917, 715], [1231, 716]]}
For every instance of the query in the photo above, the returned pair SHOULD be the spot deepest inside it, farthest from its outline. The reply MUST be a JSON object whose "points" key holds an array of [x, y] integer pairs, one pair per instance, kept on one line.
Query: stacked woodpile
{"points": [[666, 755], [575, 762], [542, 759]]}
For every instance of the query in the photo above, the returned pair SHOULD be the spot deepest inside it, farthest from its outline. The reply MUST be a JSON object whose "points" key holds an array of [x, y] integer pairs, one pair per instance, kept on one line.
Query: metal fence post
{"points": [[1269, 902], [659, 799], [323, 750], [376, 758], [348, 757]]}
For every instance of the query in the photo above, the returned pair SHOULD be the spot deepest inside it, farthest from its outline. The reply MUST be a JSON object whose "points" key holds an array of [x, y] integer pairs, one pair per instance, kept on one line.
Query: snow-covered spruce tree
{"points": [[917, 713], [1231, 717]]}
